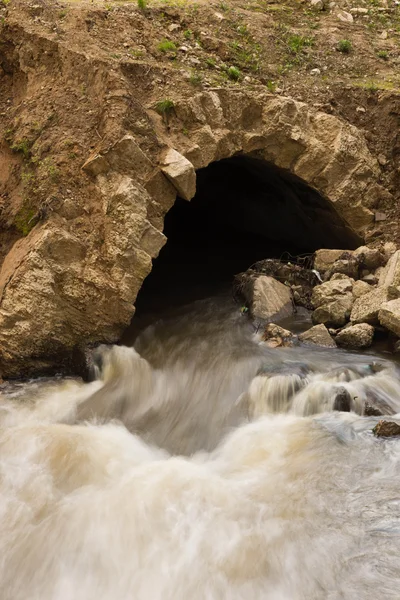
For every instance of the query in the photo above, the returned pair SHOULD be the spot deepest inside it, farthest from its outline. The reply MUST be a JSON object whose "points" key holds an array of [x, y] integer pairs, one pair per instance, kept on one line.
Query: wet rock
{"points": [[180, 172], [334, 314], [389, 316], [270, 300], [318, 335], [331, 290], [275, 336], [360, 288], [342, 400], [371, 411], [369, 258], [325, 258], [386, 429], [366, 308], [356, 336]]}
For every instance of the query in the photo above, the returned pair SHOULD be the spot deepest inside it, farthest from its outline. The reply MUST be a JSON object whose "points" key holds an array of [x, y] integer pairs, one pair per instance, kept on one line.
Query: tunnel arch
{"points": [[245, 209]]}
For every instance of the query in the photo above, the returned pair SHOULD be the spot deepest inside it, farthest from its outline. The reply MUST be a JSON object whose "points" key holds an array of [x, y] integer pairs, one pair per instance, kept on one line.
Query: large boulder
{"points": [[389, 316], [331, 290], [366, 308], [334, 314], [347, 264], [271, 300], [360, 288], [318, 335], [356, 336]]}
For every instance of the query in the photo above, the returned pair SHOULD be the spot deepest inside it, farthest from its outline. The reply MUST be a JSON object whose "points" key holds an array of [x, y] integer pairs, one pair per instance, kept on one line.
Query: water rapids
{"points": [[202, 465]]}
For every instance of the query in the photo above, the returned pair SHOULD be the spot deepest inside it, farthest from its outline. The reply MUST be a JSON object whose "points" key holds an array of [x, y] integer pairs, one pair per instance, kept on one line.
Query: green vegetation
{"points": [[344, 46], [296, 43], [196, 78], [166, 46], [187, 34], [164, 107], [383, 54], [271, 86], [142, 4], [25, 219], [23, 146], [211, 62], [233, 73], [5, 2]]}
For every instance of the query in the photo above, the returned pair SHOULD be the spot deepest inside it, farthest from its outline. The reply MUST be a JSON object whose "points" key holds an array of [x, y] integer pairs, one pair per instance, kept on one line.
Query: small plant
{"points": [[164, 107], [166, 46], [371, 86], [142, 4], [187, 34], [23, 146], [296, 43], [62, 14], [271, 86], [233, 73], [196, 78], [211, 62], [383, 54], [344, 46], [5, 2]]}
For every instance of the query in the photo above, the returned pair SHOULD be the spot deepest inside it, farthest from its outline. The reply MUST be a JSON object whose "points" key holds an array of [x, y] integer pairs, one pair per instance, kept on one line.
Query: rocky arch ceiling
{"points": [[90, 295]]}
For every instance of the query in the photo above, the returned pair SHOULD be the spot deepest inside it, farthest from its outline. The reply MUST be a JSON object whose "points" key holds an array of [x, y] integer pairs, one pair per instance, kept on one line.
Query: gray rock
{"points": [[356, 336], [271, 299], [318, 335]]}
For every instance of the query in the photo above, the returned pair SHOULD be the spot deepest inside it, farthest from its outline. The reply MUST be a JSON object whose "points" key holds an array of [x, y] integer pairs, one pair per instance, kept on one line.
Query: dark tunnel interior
{"points": [[245, 210]]}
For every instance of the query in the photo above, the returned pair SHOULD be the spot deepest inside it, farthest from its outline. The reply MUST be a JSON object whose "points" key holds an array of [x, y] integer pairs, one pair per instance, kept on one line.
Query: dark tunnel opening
{"points": [[244, 210]]}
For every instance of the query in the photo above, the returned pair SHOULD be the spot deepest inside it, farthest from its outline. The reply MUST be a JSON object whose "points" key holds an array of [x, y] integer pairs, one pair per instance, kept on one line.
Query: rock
{"points": [[380, 216], [96, 165], [318, 335], [331, 290], [360, 288], [347, 264], [386, 429], [370, 279], [338, 276], [315, 72], [276, 336], [389, 316], [356, 336], [390, 276], [369, 258], [318, 4], [345, 17], [342, 401], [334, 314], [366, 308], [389, 248], [180, 172], [324, 259], [371, 411], [271, 299]]}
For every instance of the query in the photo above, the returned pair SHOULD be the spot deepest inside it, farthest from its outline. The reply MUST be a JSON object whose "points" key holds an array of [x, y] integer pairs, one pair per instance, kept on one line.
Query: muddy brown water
{"points": [[200, 464]]}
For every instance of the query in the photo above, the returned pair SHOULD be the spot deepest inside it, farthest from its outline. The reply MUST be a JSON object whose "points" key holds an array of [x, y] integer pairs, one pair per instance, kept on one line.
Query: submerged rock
{"points": [[356, 336], [386, 429], [342, 400], [372, 411], [318, 335]]}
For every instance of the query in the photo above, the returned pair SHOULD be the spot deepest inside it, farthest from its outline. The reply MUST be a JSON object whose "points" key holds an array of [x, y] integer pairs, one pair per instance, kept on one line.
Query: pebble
{"points": [[315, 72]]}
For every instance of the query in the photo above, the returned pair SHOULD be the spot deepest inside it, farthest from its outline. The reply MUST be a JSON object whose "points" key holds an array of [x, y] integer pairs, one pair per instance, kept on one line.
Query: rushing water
{"points": [[202, 465]]}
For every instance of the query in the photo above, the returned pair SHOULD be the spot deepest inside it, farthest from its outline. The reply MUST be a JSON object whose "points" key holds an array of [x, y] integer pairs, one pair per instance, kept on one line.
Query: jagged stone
{"points": [[386, 429], [356, 336], [334, 314], [331, 290], [324, 259], [389, 316], [360, 288], [275, 336], [180, 172], [369, 258], [390, 276], [366, 308], [318, 335]]}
